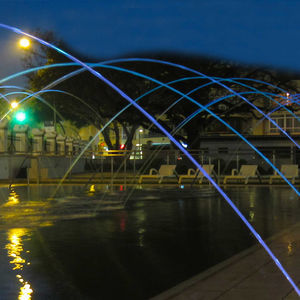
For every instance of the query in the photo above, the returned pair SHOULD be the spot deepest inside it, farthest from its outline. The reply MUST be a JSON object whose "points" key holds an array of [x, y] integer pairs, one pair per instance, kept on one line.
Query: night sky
{"points": [[259, 32]]}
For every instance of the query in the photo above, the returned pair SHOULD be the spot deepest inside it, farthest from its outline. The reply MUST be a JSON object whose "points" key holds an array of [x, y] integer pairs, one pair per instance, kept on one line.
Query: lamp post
{"points": [[25, 44], [140, 146]]}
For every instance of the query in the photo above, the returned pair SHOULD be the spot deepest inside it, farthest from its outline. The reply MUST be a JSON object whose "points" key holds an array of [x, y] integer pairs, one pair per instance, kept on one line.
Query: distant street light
{"points": [[14, 104], [24, 43], [140, 145], [20, 116], [140, 132]]}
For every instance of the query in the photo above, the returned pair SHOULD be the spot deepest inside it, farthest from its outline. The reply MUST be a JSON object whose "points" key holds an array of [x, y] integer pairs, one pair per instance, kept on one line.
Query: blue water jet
{"points": [[215, 81], [43, 91], [203, 107], [172, 139], [121, 60]]}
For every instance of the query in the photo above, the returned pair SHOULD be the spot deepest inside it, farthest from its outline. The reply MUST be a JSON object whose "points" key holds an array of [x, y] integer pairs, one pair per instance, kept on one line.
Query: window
{"points": [[286, 122]]}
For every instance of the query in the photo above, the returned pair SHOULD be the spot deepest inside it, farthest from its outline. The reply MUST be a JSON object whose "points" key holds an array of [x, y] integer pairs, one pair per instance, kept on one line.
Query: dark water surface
{"points": [[83, 245]]}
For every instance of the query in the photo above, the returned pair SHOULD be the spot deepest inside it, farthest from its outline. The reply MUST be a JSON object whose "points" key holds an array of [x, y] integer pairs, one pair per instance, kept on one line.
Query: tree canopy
{"points": [[93, 102]]}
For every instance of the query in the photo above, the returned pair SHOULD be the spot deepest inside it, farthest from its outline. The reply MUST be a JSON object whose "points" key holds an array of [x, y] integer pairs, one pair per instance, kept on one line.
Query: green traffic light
{"points": [[20, 116]]}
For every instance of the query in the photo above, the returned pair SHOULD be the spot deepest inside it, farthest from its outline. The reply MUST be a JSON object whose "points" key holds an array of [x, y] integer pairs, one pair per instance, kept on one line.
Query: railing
{"points": [[224, 161], [135, 161]]}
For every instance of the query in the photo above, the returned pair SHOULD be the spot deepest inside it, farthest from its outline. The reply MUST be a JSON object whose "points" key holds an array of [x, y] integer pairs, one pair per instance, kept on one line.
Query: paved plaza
{"points": [[248, 275]]}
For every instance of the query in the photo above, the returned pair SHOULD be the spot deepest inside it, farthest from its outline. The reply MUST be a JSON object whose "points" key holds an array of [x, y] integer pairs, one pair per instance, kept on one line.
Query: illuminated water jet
{"points": [[97, 74], [216, 79], [183, 95]]}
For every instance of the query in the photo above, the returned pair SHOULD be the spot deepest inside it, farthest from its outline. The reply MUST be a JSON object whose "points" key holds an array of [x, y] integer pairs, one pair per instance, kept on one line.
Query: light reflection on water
{"points": [[13, 198], [162, 237], [15, 250], [17, 212]]}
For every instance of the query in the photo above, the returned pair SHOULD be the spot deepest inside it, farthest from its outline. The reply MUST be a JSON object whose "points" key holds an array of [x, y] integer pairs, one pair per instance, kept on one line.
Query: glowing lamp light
{"points": [[14, 104], [24, 43], [20, 116], [122, 147], [183, 144]]}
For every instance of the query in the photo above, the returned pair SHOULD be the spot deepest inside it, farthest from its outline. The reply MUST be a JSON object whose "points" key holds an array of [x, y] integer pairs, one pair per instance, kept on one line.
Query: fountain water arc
{"points": [[174, 141], [234, 80], [215, 81], [31, 95], [198, 111], [4, 97], [178, 92], [219, 119], [184, 122], [162, 84], [266, 94], [166, 85], [43, 91], [101, 64]]}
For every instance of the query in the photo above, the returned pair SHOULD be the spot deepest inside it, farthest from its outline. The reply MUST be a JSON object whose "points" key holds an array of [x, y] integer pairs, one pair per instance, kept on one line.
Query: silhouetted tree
{"points": [[99, 102]]}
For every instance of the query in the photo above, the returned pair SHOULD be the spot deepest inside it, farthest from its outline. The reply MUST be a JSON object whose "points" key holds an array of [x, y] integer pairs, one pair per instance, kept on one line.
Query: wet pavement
{"points": [[80, 244], [250, 274]]}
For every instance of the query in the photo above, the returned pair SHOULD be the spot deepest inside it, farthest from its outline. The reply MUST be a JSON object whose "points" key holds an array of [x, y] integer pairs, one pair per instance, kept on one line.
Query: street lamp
{"points": [[14, 104], [24, 43]]}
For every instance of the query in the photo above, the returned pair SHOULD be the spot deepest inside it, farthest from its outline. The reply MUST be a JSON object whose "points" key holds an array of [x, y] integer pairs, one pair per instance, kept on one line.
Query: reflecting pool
{"points": [[83, 243]]}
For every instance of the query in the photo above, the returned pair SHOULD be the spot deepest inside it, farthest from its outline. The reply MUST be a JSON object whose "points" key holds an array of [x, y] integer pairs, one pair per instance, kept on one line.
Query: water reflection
{"points": [[13, 198], [141, 236], [251, 216], [22, 212], [91, 190], [290, 248], [123, 220], [141, 220], [162, 237], [15, 250]]}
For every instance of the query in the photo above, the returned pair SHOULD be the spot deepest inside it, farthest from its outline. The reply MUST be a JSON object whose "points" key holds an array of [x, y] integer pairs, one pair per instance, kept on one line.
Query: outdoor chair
{"points": [[163, 172], [289, 171], [196, 174], [246, 172]]}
